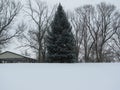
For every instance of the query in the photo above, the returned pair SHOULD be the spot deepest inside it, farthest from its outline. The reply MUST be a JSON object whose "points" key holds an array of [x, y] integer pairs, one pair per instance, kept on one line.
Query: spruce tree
{"points": [[60, 39]]}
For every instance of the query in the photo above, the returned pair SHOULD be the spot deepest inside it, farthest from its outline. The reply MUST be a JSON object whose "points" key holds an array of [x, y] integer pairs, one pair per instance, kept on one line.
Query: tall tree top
{"points": [[61, 44], [60, 19], [60, 6]]}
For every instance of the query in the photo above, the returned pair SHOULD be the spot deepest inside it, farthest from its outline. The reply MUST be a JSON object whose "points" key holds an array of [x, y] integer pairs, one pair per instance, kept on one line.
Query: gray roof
{"points": [[10, 56]]}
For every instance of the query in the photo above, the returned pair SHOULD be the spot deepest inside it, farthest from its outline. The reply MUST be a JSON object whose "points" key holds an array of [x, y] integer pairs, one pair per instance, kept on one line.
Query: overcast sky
{"points": [[68, 5], [71, 4]]}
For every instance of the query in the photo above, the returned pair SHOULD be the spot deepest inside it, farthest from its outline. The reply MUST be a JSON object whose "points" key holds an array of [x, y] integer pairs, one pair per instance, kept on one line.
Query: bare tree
{"points": [[105, 19], [83, 36], [78, 32], [8, 12], [97, 26], [116, 45], [40, 18]]}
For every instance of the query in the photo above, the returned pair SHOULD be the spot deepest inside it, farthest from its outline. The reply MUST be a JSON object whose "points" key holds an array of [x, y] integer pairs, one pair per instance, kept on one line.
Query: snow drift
{"points": [[60, 76]]}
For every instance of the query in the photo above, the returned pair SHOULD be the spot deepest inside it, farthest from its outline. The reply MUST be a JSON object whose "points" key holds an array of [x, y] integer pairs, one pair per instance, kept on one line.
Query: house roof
{"points": [[10, 55]]}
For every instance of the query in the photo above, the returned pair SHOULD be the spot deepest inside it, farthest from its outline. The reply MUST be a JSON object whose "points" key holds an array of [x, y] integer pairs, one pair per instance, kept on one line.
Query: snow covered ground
{"points": [[60, 76]]}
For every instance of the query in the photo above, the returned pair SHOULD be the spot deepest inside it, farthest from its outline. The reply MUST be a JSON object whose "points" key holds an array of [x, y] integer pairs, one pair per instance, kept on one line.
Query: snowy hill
{"points": [[60, 76]]}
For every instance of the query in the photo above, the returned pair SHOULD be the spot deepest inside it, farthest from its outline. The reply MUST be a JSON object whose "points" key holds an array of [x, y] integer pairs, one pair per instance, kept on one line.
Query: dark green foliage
{"points": [[60, 39]]}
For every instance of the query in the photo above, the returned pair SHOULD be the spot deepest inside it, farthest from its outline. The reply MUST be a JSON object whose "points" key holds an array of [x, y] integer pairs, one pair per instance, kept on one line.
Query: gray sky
{"points": [[71, 4], [68, 5]]}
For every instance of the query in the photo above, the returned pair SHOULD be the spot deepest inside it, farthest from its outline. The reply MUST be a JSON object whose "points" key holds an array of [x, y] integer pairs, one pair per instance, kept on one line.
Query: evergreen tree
{"points": [[60, 39]]}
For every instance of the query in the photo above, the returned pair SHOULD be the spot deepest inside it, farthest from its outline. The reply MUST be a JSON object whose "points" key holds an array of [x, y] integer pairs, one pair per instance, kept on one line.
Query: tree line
{"points": [[93, 31]]}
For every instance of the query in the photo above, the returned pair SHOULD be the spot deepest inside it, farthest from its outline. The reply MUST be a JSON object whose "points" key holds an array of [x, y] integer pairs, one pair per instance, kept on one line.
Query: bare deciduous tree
{"points": [[83, 15], [106, 21], [8, 11], [98, 25], [40, 18], [115, 46], [78, 32]]}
